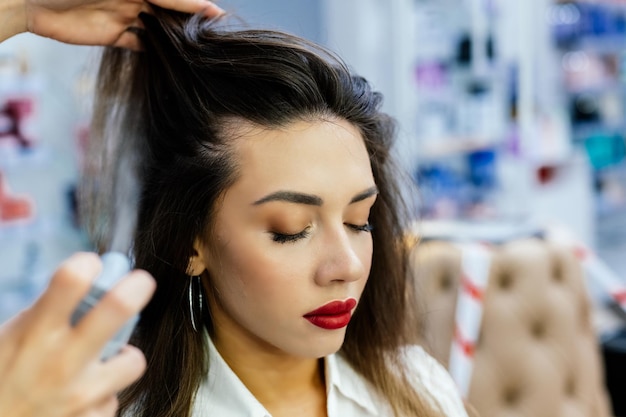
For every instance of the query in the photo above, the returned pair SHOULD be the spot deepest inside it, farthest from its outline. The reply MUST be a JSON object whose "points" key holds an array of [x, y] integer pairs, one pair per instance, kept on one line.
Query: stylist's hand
{"points": [[49, 368], [94, 22]]}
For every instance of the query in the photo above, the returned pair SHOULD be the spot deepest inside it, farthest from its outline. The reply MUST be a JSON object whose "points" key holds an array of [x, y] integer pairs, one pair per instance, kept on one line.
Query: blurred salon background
{"points": [[512, 125]]}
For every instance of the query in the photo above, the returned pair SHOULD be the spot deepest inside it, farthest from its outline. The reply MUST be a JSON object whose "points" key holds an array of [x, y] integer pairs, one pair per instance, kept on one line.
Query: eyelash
{"points": [[361, 228], [283, 238]]}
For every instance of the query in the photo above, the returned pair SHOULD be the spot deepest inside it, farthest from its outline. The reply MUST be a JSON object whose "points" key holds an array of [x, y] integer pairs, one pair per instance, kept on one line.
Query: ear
{"points": [[197, 263]]}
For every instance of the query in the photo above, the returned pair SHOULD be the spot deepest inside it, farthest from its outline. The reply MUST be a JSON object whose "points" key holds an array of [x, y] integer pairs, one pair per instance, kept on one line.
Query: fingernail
{"points": [[215, 9], [141, 283], [85, 264]]}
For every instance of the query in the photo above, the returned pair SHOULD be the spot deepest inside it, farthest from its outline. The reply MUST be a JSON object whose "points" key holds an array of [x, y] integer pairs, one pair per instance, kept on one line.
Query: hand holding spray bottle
{"points": [[115, 266]]}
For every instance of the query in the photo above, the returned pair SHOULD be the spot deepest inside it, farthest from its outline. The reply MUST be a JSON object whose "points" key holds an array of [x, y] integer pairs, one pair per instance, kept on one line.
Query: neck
{"points": [[284, 384], [276, 380], [12, 18]]}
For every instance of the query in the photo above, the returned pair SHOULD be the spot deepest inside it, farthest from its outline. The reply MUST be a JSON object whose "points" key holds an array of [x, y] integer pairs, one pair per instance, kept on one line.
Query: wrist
{"points": [[12, 18]]}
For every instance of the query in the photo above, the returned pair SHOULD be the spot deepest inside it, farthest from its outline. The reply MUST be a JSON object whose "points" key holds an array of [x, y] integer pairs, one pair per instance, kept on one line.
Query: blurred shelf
{"points": [[603, 44], [451, 146], [598, 88], [484, 231]]}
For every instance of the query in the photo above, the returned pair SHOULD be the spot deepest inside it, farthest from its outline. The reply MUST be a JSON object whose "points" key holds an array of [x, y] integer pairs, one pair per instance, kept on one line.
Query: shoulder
{"points": [[429, 376]]}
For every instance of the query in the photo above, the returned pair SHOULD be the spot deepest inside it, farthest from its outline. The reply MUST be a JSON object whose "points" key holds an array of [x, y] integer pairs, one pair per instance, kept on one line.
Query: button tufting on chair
{"points": [[538, 329], [537, 355]]}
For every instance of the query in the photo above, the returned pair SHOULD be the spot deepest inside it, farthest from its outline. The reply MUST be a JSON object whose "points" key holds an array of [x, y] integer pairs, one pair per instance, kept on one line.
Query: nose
{"points": [[343, 259]]}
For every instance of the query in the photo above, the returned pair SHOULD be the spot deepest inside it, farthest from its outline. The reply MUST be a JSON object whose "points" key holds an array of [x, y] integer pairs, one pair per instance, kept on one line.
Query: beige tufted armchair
{"points": [[537, 353]]}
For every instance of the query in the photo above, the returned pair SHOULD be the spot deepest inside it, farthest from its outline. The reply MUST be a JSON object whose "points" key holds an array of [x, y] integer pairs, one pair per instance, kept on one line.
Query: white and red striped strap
{"points": [[475, 265]]}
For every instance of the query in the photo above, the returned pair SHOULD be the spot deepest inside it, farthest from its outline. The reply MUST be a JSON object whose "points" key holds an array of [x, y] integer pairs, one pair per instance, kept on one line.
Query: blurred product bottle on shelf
{"points": [[14, 208], [601, 25], [458, 188], [14, 119]]}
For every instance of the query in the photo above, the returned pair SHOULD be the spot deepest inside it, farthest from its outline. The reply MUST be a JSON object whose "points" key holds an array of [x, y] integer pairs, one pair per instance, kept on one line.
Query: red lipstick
{"points": [[332, 316]]}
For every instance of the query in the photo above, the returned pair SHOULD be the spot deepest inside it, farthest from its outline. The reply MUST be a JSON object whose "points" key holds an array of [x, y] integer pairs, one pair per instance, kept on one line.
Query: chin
{"points": [[319, 347]]}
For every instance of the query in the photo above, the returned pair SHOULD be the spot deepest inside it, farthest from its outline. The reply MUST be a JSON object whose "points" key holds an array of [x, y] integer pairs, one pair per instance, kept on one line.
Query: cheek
{"points": [[249, 268], [365, 253], [363, 245]]}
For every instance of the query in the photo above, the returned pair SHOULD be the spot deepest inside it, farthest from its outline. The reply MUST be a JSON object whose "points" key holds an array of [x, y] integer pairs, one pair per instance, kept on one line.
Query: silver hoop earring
{"points": [[195, 282]]}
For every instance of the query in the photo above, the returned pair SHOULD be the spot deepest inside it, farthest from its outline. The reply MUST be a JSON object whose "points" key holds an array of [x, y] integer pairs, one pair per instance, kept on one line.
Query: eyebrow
{"points": [[364, 195], [309, 199]]}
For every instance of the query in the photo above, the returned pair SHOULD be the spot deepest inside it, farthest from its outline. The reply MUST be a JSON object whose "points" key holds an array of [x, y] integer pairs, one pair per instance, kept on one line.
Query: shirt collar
{"points": [[340, 376], [223, 394]]}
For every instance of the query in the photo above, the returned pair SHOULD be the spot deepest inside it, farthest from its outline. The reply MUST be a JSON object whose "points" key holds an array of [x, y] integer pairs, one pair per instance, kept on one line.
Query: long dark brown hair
{"points": [[178, 98]]}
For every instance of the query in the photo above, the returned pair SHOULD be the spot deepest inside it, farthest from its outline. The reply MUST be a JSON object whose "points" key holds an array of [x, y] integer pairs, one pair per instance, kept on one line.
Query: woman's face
{"points": [[292, 236]]}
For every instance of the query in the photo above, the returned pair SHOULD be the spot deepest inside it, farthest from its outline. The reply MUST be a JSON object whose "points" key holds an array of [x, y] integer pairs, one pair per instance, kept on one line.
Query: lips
{"points": [[332, 316]]}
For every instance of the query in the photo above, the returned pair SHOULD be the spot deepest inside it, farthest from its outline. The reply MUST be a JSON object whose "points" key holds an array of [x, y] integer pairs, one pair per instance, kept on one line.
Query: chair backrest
{"points": [[537, 353]]}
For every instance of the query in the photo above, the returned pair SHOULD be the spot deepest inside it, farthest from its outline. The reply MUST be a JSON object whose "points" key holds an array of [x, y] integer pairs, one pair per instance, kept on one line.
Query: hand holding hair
{"points": [[90, 22], [49, 368]]}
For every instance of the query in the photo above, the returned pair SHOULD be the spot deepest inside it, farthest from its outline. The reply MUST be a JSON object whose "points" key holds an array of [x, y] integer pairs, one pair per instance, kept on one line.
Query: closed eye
{"points": [[367, 227], [289, 238]]}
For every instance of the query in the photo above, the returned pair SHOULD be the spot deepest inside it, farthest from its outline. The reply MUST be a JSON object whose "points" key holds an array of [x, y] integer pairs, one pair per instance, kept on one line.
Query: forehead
{"points": [[308, 156]]}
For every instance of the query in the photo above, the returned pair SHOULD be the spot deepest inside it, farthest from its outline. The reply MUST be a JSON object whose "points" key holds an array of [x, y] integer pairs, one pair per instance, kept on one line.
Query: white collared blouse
{"points": [[222, 394]]}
